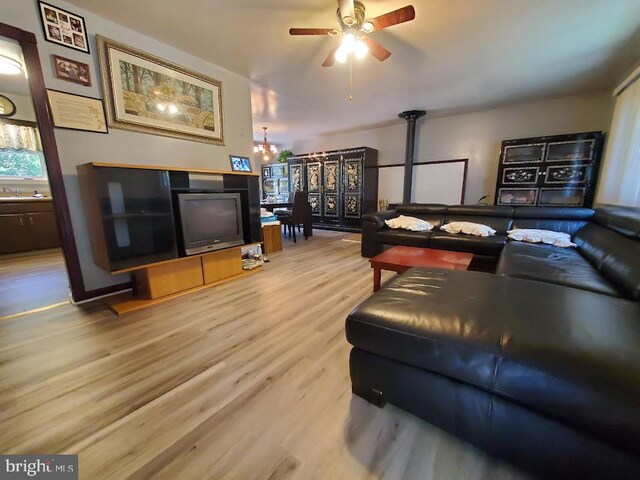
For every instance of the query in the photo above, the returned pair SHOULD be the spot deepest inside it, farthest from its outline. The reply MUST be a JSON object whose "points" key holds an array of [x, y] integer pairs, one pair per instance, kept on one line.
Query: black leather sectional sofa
{"points": [[538, 363]]}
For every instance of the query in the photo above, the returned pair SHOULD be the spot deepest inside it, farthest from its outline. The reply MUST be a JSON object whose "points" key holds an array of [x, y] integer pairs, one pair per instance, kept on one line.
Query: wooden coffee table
{"points": [[400, 259]]}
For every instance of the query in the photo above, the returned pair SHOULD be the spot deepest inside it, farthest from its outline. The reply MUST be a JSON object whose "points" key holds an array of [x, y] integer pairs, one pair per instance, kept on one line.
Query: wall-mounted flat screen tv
{"points": [[210, 221]]}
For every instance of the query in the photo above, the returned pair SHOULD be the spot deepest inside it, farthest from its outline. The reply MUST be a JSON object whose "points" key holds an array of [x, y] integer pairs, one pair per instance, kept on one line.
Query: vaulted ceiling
{"points": [[457, 55]]}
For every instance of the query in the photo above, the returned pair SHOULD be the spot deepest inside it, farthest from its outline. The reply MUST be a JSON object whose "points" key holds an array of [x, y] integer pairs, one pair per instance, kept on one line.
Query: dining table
{"points": [[271, 206]]}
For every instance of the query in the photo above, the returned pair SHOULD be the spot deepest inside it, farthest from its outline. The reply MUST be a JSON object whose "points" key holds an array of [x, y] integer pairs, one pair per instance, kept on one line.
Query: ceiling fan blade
{"points": [[331, 59], [347, 11], [311, 31], [376, 49], [404, 14]]}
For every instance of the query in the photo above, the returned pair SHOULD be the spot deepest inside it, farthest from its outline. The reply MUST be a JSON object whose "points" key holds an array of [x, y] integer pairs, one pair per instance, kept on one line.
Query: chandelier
{"points": [[268, 151]]}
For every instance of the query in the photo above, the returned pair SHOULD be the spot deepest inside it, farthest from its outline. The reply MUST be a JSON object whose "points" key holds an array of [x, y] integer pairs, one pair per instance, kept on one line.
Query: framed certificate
{"points": [[77, 112]]}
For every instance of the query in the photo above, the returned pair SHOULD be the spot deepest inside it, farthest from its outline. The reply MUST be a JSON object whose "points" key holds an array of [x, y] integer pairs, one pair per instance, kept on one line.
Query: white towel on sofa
{"points": [[409, 223]]}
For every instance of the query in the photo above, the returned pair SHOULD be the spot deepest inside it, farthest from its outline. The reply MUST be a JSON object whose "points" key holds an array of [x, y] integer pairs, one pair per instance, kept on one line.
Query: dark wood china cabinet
{"points": [[558, 170], [342, 185]]}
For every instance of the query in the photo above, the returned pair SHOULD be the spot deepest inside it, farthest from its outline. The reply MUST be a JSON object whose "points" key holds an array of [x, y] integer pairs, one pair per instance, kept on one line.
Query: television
{"points": [[210, 221]]}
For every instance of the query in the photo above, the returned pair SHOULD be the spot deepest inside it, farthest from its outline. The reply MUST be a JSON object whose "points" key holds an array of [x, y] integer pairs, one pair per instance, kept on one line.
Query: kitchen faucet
{"points": [[17, 192]]}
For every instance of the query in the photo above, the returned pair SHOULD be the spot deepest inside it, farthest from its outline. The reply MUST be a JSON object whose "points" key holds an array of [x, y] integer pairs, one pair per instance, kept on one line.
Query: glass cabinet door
{"points": [[331, 188], [568, 168], [296, 176], [353, 175], [314, 186], [519, 173], [529, 153], [137, 216]]}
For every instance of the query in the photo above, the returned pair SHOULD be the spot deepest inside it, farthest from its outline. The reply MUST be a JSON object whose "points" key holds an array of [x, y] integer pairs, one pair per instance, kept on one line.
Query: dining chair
{"points": [[290, 197], [300, 215]]}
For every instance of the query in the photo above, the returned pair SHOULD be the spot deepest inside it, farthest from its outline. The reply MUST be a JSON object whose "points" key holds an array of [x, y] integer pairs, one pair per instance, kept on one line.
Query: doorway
{"points": [[33, 272]]}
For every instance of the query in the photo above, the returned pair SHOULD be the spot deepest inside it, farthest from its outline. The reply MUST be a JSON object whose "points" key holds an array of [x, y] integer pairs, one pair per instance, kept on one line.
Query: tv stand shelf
{"points": [[172, 279], [134, 226], [127, 302]]}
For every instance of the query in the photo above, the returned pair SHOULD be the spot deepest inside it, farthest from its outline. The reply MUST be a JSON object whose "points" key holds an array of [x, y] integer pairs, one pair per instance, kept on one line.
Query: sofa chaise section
{"points": [[566, 356]]}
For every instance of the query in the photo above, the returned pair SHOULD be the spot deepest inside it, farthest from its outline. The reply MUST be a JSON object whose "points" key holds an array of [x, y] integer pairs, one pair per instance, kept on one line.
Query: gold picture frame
{"points": [[147, 94]]}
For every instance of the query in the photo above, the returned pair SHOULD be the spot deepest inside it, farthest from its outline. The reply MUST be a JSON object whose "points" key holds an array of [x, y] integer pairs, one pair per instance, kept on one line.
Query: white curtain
{"points": [[620, 181], [17, 137]]}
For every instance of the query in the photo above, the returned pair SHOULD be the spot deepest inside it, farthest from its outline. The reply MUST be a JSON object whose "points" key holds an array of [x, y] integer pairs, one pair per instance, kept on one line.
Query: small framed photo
{"points": [[240, 164], [71, 70], [63, 27]]}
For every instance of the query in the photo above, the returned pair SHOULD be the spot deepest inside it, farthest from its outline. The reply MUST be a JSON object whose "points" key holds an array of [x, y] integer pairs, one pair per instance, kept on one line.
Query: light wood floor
{"points": [[248, 380], [32, 280]]}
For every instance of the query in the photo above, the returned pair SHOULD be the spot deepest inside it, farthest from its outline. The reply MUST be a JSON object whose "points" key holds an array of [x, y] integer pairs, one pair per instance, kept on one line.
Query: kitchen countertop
{"points": [[25, 199]]}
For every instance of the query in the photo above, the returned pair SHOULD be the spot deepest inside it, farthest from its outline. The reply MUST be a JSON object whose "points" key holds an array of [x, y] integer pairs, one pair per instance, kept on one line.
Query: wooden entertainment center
{"points": [[132, 222]]}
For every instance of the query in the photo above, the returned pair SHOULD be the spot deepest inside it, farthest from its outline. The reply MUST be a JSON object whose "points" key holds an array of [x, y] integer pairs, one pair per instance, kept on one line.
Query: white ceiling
{"points": [[457, 55]]}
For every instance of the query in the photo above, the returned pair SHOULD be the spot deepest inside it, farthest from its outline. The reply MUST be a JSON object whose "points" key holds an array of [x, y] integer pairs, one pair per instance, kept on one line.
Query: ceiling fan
{"points": [[354, 26]]}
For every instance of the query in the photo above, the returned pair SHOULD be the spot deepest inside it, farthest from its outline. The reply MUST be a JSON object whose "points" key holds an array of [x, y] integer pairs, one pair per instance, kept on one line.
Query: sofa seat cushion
{"points": [[490, 246], [404, 237], [567, 353], [546, 263]]}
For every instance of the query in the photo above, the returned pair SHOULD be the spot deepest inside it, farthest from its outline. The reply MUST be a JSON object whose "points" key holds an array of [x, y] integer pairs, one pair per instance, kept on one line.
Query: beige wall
{"points": [[121, 146], [476, 136], [24, 107]]}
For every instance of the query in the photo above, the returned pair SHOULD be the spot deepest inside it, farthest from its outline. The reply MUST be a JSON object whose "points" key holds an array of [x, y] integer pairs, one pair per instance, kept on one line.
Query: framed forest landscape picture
{"points": [[145, 93], [63, 27]]}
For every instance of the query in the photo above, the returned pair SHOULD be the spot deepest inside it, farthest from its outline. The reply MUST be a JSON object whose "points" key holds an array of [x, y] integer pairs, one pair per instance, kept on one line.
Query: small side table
{"points": [[400, 259], [272, 238]]}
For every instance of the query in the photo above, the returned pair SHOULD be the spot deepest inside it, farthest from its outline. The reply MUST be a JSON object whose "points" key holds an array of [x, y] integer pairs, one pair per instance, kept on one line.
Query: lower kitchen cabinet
{"points": [[28, 225]]}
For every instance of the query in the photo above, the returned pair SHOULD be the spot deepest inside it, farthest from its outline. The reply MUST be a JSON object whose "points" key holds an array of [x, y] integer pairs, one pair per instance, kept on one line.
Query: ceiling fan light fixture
{"points": [[341, 54], [10, 66], [352, 18], [361, 49], [348, 20], [349, 42], [347, 46]]}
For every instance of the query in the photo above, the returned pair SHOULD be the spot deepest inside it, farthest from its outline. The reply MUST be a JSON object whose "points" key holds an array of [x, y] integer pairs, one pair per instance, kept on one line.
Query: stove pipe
{"points": [[410, 116]]}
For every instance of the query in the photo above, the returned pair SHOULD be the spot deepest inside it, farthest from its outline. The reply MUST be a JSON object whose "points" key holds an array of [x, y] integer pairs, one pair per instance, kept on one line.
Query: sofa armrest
{"points": [[379, 217]]}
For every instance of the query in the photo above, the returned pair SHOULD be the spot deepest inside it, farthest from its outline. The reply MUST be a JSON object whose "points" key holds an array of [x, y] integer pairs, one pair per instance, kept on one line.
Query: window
{"points": [[21, 164], [620, 183], [21, 153]]}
